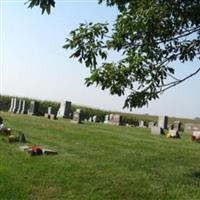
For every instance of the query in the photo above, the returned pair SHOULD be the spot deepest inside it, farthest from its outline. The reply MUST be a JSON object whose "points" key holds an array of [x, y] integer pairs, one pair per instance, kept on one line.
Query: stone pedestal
{"points": [[156, 130]]}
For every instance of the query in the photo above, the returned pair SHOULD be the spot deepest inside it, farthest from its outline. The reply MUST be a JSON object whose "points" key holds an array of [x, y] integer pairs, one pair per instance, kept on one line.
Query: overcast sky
{"points": [[34, 64]]}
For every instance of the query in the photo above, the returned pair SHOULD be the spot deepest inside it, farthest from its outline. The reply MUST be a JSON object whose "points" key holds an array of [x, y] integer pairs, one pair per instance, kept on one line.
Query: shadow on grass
{"points": [[195, 175]]}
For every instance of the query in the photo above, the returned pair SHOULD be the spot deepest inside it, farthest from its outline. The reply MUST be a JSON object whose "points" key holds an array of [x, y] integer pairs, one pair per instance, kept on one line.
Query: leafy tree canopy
{"points": [[149, 35]]}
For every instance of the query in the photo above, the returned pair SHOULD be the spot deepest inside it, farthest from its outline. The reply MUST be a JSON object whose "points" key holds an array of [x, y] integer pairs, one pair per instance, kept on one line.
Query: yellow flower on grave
{"points": [[168, 135]]}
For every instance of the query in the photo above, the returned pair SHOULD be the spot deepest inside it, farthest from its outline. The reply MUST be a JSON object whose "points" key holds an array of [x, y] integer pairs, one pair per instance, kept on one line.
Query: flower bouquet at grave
{"points": [[173, 134], [195, 136]]}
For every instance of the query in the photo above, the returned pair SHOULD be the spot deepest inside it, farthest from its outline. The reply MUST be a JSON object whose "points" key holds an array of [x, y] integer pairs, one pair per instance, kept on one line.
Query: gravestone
{"points": [[49, 111], [151, 124], [90, 119], [34, 108], [155, 130], [116, 119], [176, 125], [111, 117], [11, 105], [50, 114], [163, 122], [19, 107], [77, 117], [94, 118], [191, 127], [14, 109], [53, 116], [64, 110], [141, 124], [23, 111], [106, 119], [21, 137]]}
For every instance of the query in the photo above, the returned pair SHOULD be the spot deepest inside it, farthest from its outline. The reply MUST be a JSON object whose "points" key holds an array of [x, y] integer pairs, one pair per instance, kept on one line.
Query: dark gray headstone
{"points": [[64, 110], [1, 120], [21, 137], [163, 122]]}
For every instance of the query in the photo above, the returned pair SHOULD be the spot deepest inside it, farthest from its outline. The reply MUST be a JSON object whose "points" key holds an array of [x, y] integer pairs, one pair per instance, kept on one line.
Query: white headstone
{"points": [[106, 119], [116, 119], [49, 110], [94, 118], [141, 124], [90, 119], [162, 122], [156, 130], [19, 107], [11, 105], [64, 110], [23, 111], [76, 117], [14, 109]]}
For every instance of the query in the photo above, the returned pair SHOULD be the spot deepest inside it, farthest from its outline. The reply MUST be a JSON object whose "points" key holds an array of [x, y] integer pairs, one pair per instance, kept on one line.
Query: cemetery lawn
{"points": [[97, 162]]}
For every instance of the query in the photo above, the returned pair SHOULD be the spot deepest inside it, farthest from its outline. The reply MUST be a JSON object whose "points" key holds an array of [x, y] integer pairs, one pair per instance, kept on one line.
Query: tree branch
{"points": [[172, 84]]}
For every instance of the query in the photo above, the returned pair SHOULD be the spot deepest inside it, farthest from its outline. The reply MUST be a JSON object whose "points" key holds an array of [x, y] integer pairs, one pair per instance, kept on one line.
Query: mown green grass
{"points": [[97, 162]]}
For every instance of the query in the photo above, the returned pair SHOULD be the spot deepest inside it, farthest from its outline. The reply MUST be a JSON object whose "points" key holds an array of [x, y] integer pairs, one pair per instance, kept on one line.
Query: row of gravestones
{"points": [[20, 107], [163, 124], [91, 119], [114, 119]]}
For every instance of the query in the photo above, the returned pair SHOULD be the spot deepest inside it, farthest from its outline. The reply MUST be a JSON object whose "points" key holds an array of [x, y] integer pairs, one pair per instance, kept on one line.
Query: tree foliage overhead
{"points": [[149, 35]]}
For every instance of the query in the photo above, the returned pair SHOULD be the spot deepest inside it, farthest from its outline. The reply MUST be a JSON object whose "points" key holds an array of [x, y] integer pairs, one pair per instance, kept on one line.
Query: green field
{"points": [[97, 162]]}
